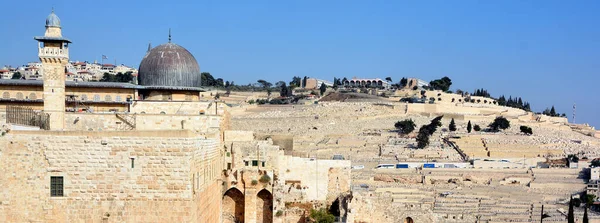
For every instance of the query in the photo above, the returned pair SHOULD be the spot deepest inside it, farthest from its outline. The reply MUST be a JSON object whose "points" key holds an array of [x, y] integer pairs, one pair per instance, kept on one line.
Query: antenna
{"points": [[169, 35]]}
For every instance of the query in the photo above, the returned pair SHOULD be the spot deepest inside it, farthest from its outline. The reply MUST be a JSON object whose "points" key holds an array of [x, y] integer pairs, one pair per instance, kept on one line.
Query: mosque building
{"points": [[167, 72]]}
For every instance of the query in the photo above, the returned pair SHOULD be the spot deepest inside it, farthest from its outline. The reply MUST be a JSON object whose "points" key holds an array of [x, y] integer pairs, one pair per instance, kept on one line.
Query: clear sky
{"points": [[546, 51]]}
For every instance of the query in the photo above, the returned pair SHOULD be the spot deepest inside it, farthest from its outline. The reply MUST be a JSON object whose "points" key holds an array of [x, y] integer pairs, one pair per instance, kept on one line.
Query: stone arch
{"points": [[84, 97], [6, 95], [233, 206], [32, 96], [264, 206], [19, 95], [409, 220], [107, 98]]}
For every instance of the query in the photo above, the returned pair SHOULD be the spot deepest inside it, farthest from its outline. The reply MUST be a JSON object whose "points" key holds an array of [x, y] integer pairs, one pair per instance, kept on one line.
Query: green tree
{"points": [[321, 216], [427, 130], [285, 91], [388, 79], [278, 84], [304, 81], [423, 137], [16, 76], [264, 84], [526, 130], [296, 81], [207, 79], [403, 82], [106, 77], [405, 126], [500, 123], [589, 199], [477, 128], [469, 127], [323, 88], [441, 84], [452, 126]]}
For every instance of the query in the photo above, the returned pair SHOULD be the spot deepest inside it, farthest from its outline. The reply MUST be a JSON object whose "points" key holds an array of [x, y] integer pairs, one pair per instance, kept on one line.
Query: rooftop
{"points": [[10, 82]]}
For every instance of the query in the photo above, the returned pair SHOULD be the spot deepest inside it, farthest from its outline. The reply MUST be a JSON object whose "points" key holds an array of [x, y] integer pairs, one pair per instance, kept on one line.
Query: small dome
{"points": [[169, 65], [52, 20]]}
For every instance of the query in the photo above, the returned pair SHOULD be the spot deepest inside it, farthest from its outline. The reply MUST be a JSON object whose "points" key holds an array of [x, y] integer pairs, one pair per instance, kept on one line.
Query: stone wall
{"points": [[179, 108], [316, 175], [134, 176], [109, 121]]}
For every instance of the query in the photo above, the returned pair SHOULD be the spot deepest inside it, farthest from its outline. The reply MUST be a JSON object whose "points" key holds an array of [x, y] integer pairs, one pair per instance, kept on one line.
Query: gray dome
{"points": [[169, 65], [52, 20]]}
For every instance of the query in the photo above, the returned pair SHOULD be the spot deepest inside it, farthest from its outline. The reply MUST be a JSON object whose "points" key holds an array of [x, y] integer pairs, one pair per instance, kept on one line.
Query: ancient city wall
{"points": [[110, 121], [141, 176], [315, 174]]}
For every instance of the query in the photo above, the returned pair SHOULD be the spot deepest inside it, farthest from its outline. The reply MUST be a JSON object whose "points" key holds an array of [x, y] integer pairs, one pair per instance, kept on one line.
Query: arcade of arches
{"points": [[238, 208]]}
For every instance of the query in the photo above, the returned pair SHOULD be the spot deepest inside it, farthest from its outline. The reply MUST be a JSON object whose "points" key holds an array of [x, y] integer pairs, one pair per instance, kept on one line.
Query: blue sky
{"points": [[547, 52]]}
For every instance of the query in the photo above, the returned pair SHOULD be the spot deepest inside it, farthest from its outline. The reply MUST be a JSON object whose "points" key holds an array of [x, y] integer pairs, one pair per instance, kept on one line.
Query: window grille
{"points": [[56, 186]]}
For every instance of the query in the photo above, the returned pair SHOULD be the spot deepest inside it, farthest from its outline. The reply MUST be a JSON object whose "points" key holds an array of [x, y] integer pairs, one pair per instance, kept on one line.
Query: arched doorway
{"points": [[409, 220], [264, 207], [233, 206]]}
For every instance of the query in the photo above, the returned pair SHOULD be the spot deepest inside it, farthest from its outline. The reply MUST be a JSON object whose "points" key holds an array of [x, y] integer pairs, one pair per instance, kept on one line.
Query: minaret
{"points": [[53, 51]]}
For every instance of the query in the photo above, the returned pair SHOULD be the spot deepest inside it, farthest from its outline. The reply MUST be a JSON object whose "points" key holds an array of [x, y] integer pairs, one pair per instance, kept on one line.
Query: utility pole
{"points": [[573, 113]]}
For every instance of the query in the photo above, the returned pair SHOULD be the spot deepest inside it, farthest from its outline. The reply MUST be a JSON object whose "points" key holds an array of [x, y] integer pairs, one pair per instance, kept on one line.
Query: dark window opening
{"points": [[246, 163], [132, 162], [229, 166], [254, 162], [263, 163], [56, 186]]}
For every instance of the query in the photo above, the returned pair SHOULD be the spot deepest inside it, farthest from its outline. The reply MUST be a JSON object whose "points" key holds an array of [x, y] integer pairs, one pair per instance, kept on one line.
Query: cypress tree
{"points": [[452, 126], [585, 216], [469, 127], [570, 216]]}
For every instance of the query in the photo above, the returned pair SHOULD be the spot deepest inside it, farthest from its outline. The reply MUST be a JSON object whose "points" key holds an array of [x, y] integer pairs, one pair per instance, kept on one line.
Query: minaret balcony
{"points": [[53, 52]]}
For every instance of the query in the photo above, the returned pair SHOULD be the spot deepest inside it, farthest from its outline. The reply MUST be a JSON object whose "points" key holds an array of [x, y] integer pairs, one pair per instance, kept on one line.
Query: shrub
{"points": [[279, 213], [500, 123], [251, 101], [265, 179], [526, 130], [477, 128], [321, 216], [254, 182], [415, 88], [406, 126]]}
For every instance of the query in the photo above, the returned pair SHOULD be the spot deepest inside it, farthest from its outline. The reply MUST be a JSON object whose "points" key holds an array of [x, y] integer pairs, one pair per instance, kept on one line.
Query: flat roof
{"points": [[89, 84]]}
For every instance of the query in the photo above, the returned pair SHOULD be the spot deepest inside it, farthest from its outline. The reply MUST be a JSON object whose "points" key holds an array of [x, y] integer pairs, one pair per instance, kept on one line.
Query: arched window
{"points": [[162, 113], [188, 97], [20, 95], [96, 97], [6, 95], [118, 98], [84, 97], [32, 96], [107, 98]]}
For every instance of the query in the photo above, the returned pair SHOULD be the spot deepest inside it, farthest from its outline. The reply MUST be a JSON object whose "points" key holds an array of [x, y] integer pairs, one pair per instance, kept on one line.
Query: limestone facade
{"points": [[152, 176]]}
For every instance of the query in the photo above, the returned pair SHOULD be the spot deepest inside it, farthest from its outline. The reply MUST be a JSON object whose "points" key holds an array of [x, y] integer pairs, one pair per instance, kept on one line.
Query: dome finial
{"points": [[169, 35], [149, 46]]}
